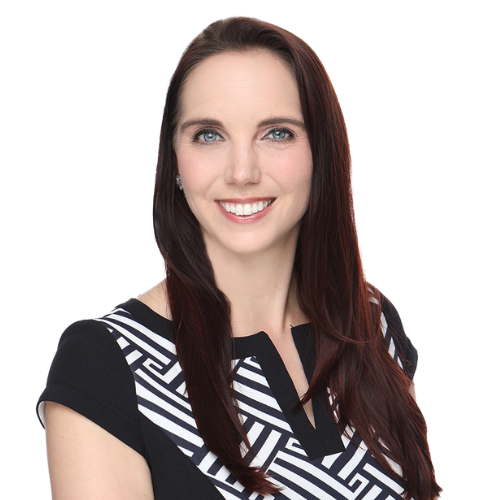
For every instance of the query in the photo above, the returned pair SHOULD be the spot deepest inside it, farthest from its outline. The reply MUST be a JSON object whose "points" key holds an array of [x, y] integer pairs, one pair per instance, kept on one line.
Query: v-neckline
{"points": [[317, 441]]}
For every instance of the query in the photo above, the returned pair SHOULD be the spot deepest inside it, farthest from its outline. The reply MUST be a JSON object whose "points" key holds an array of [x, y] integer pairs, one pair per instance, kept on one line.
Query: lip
{"points": [[245, 200], [247, 218]]}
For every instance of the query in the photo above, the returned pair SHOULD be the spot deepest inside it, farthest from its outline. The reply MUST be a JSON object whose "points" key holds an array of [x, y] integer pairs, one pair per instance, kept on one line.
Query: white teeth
{"points": [[246, 208]]}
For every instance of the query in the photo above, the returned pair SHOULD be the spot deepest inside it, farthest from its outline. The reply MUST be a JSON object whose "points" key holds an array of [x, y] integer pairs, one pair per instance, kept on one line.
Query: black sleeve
{"points": [[405, 354], [90, 375]]}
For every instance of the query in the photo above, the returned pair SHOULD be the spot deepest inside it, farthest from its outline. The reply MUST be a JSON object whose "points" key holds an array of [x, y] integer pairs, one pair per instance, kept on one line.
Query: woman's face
{"points": [[243, 153]]}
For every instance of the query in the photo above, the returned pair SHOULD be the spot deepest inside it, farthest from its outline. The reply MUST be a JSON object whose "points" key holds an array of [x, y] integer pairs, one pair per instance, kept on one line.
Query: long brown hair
{"points": [[371, 390]]}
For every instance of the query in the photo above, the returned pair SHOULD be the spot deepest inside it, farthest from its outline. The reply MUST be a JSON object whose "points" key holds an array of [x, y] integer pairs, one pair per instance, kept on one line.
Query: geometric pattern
{"points": [[352, 474]]}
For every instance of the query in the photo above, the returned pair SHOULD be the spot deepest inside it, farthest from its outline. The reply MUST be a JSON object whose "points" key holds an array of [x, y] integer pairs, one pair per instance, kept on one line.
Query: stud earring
{"points": [[179, 182]]}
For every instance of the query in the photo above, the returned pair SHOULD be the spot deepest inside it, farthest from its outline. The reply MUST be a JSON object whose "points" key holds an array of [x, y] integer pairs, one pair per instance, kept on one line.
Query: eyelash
{"points": [[290, 135]]}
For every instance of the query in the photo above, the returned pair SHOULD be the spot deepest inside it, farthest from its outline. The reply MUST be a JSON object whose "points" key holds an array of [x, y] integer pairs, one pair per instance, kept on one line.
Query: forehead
{"points": [[249, 83]]}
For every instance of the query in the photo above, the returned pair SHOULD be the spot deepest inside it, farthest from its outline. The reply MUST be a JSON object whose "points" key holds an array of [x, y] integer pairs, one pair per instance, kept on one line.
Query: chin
{"points": [[241, 249], [248, 245]]}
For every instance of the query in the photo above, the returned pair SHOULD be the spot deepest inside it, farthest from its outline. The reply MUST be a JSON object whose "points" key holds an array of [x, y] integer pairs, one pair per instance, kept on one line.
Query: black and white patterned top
{"points": [[121, 371]]}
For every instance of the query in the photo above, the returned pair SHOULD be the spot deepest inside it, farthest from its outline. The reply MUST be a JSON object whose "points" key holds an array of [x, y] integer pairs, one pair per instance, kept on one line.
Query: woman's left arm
{"points": [[413, 391]]}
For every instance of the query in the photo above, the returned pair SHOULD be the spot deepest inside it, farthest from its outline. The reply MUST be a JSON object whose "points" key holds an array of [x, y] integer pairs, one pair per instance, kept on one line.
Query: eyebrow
{"points": [[209, 122]]}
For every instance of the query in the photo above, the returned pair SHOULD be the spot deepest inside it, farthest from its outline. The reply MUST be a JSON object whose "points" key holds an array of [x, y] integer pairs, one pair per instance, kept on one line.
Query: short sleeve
{"points": [[398, 344], [90, 375]]}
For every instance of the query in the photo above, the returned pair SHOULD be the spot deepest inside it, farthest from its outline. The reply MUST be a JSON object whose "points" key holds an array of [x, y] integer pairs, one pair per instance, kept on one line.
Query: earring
{"points": [[178, 182]]}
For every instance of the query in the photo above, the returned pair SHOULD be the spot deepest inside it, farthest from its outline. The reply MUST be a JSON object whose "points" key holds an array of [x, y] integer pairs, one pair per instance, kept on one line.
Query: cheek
{"points": [[295, 171], [193, 171]]}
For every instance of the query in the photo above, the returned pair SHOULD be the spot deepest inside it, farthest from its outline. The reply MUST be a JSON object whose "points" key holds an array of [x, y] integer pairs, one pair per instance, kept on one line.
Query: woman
{"points": [[253, 216]]}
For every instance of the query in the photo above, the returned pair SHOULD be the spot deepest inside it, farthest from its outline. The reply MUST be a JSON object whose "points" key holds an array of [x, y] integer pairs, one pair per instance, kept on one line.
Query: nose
{"points": [[243, 165]]}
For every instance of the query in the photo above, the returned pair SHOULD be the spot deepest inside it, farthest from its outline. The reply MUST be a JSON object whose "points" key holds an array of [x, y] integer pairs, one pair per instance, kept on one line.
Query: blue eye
{"points": [[276, 134], [280, 134], [206, 136]]}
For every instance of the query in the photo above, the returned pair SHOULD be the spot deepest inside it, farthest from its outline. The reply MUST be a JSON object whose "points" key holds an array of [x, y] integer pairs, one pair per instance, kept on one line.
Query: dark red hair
{"points": [[371, 390]]}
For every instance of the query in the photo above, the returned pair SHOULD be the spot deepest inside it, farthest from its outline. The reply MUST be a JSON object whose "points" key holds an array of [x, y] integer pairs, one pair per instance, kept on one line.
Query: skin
{"points": [[256, 147], [86, 462]]}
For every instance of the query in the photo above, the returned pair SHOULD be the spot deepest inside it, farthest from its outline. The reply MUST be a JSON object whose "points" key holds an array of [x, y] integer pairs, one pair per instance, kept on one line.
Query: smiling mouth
{"points": [[245, 209]]}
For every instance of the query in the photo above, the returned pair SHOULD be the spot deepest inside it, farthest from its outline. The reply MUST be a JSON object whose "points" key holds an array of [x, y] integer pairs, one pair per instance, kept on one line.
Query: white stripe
{"points": [[163, 390], [286, 491], [171, 427], [392, 348], [182, 389], [314, 491], [143, 345], [162, 403], [383, 478], [293, 445], [154, 367], [41, 413], [373, 493], [133, 356], [207, 462], [254, 432], [352, 464], [252, 435], [266, 450], [345, 440], [254, 377], [383, 324], [127, 320], [254, 495], [189, 453], [291, 494], [168, 376], [282, 424], [222, 476], [122, 342], [329, 460], [226, 494], [363, 483], [251, 361], [350, 431], [315, 472], [394, 466], [255, 395], [172, 373]]}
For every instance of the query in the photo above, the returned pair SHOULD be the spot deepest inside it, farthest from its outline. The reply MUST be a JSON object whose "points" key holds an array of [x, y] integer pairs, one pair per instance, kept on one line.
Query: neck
{"points": [[261, 290]]}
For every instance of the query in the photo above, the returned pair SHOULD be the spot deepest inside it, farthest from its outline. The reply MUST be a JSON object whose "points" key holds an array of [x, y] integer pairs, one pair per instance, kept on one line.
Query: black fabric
{"points": [[317, 442], [91, 375], [405, 349], [174, 475]]}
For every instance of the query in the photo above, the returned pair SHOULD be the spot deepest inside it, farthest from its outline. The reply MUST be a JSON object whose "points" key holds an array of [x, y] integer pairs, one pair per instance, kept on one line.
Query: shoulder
{"points": [[83, 345], [391, 321], [89, 363], [398, 344], [90, 375], [157, 300]]}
